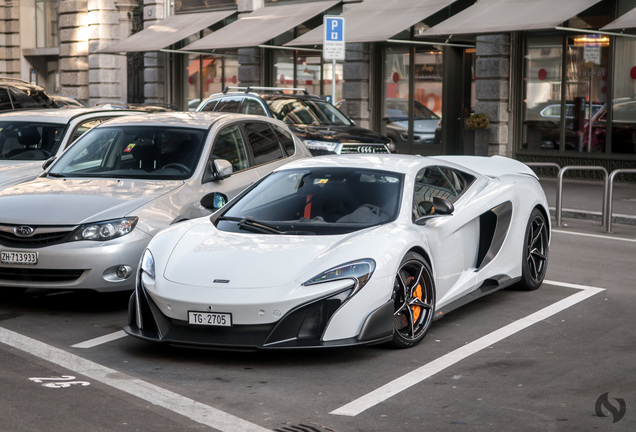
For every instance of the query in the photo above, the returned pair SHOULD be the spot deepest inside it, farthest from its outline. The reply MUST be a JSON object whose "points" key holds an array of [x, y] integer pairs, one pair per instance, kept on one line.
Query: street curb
{"points": [[594, 216]]}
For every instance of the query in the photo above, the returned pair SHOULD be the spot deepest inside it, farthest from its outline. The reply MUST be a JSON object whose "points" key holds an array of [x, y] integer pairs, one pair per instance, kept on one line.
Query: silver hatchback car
{"points": [[85, 222], [29, 137]]}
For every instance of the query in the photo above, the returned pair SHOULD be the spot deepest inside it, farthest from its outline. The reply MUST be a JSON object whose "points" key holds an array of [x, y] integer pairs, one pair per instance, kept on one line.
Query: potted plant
{"points": [[476, 135]]}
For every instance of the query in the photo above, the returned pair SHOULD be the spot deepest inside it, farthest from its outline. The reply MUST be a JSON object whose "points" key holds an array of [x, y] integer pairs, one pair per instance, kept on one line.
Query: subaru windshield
{"points": [[143, 152]]}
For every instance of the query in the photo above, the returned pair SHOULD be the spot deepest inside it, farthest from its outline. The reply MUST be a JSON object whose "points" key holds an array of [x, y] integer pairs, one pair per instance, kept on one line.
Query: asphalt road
{"points": [[522, 361]]}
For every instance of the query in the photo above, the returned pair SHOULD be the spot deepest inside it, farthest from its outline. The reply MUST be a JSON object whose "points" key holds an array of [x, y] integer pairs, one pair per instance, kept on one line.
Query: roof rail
{"points": [[4, 78], [272, 89]]}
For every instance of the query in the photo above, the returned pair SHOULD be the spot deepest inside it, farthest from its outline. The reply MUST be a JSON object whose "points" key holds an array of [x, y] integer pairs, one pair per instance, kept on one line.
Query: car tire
{"points": [[414, 301], [535, 252]]}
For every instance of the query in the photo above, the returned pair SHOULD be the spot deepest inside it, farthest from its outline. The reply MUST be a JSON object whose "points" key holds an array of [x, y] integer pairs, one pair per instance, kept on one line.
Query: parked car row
{"points": [[323, 128], [229, 234]]}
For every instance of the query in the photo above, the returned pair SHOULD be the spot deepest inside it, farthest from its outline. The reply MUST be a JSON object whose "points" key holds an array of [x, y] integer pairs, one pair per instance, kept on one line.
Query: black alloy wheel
{"points": [[414, 301], [535, 252]]}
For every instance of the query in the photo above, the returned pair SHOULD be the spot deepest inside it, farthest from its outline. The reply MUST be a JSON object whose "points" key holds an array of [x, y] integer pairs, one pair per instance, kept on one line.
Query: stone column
{"points": [[492, 72], [155, 61], [107, 83], [10, 39], [355, 89], [73, 16]]}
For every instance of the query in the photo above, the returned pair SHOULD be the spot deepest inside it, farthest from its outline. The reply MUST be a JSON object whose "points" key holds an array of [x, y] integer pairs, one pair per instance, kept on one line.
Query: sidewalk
{"points": [[582, 199]]}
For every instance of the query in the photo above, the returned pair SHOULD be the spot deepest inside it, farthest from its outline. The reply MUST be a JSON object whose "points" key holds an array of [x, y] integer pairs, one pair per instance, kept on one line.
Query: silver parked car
{"points": [[85, 222], [29, 137]]}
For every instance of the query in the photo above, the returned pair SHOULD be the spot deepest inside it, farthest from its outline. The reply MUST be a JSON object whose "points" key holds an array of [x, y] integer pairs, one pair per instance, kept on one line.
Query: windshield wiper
{"points": [[248, 223], [56, 175]]}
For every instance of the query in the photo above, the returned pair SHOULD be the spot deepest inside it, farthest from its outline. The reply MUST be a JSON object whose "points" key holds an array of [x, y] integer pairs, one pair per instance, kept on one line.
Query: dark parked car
{"points": [[397, 119], [623, 128], [19, 94], [321, 126]]}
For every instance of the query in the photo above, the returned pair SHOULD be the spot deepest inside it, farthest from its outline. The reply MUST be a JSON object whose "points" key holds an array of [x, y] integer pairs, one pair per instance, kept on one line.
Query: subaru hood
{"points": [[14, 172], [53, 201]]}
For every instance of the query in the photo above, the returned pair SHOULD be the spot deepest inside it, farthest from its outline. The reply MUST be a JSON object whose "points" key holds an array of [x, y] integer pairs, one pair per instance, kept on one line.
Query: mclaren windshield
{"points": [[316, 201], [143, 152]]}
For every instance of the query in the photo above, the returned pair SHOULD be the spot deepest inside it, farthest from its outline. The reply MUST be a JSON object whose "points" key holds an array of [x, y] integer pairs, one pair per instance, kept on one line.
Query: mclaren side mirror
{"points": [[439, 207], [442, 206]]}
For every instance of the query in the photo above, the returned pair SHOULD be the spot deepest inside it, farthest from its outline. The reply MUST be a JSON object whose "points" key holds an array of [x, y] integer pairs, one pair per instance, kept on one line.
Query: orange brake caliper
{"points": [[417, 309]]}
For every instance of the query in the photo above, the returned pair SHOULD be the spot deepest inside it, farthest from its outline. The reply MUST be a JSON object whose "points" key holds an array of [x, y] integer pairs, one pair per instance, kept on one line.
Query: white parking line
{"points": [[404, 382], [604, 237], [171, 401], [100, 340]]}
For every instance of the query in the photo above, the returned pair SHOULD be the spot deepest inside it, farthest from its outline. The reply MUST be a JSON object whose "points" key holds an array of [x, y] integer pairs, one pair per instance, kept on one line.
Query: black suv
{"points": [[322, 127], [19, 94]]}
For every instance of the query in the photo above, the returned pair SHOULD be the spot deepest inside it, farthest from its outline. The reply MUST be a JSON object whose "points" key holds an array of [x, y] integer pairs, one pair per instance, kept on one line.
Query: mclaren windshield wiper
{"points": [[248, 223]]}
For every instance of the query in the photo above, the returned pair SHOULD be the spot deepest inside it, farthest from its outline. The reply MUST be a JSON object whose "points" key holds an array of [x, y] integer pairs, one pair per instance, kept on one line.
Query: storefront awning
{"points": [[497, 16], [376, 20], [625, 21], [167, 32], [260, 26]]}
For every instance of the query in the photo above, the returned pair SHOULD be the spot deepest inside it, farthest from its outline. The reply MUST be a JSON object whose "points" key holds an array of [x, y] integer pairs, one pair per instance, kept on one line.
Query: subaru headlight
{"points": [[328, 146], [359, 271], [107, 230]]}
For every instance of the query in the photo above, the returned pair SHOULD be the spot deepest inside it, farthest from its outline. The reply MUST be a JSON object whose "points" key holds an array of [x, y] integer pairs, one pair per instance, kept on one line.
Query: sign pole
{"points": [[333, 82], [333, 47]]}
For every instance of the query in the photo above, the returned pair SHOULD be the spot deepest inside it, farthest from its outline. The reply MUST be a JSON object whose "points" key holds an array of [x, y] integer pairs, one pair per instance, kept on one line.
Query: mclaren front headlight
{"points": [[147, 264], [359, 271], [106, 230]]}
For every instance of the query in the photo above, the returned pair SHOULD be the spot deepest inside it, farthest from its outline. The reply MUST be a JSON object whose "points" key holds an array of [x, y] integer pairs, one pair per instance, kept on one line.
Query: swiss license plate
{"points": [[210, 319], [10, 257]]}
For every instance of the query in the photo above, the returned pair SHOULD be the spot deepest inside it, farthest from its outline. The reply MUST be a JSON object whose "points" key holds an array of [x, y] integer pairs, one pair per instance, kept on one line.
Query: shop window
{"points": [[542, 94], [46, 23], [305, 69], [425, 75], [623, 100]]}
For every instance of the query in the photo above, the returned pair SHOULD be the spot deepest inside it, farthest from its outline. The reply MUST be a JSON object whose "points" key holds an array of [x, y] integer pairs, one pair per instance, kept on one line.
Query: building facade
{"points": [[556, 80]]}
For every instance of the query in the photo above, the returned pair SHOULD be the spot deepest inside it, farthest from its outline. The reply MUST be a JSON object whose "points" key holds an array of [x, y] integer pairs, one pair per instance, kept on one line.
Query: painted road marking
{"points": [[404, 382], [171, 401], [604, 237], [100, 340]]}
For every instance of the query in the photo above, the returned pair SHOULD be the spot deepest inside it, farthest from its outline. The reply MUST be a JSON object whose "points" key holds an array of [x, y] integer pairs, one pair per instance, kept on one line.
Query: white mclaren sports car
{"points": [[344, 250]]}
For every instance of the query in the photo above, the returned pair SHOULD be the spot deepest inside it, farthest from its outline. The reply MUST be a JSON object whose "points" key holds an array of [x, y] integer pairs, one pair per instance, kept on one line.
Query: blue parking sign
{"points": [[334, 41], [334, 28]]}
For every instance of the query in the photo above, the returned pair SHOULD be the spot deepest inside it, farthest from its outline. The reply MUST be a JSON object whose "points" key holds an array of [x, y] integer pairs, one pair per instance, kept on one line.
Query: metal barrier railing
{"points": [[609, 203], [544, 165], [559, 191]]}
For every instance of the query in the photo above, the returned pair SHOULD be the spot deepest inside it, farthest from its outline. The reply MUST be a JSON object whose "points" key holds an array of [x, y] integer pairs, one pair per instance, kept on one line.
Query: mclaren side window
{"points": [[437, 181]]}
